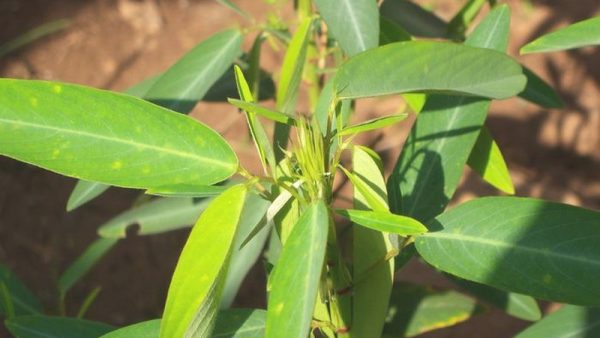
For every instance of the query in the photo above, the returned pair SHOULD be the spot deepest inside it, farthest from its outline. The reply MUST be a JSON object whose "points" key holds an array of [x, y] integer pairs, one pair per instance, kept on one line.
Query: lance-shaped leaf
{"points": [[55, 327], [580, 34], [154, 217], [263, 111], [415, 309], [84, 192], [197, 283], [353, 23], [539, 92], [384, 221], [414, 19], [543, 249], [486, 159], [188, 190], [568, 322], [377, 123], [234, 8], [425, 66], [107, 137], [22, 301], [84, 263], [297, 274]]}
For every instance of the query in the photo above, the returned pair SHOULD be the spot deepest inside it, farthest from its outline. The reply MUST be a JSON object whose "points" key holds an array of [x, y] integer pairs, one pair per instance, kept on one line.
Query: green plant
{"points": [[506, 251]]}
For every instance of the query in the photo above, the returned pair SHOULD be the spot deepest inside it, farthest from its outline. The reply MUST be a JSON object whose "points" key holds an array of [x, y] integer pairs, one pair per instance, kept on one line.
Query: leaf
{"points": [[461, 21], [373, 271], [193, 75], [22, 299], [514, 304], [297, 274], [262, 111], [117, 140], [197, 283], [384, 221], [486, 159], [580, 34], [543, 249], [377, 123], [415, 309], [32, 35], [84, 263], [154, 217], [568, 322], [233, 7], [539, 92], [147, 329], [353, 23], [84, 192], [432, 160], [390, 32], [188, 190], [55, 327], [413, 18], [422, 66]]}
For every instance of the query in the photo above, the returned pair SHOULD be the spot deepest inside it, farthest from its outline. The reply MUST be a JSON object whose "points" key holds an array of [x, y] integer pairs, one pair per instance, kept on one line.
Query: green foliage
{"points": [[55, 327], [580, 34]]}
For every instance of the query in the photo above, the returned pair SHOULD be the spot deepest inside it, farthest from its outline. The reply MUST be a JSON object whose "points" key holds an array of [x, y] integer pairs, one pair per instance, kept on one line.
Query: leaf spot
{"points": [[57, 89], [547, 279], [279, 308], [117, 165], [55, 153], [146, 170], [33, 101]]}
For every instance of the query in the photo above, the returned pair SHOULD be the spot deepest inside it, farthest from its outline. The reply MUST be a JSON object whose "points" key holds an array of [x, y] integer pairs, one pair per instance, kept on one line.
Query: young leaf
{"points": [[55, 327], [84, 192], [157, 216], [353, 23], [580, 34], [197, 283], [422, 66], [297, 274], [486, 159], [384, 221], [84, 263], [568, 322], [262, 111], [543, 249], [22, 299], [539, 92], [461, 21], [377, 123], [414, 19], [107, 137]]}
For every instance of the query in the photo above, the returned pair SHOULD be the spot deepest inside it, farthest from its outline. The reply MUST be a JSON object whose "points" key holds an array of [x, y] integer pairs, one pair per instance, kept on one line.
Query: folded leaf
{"points": [[55, 327], [21, 298], [580, 34], [384, 221], [568, 322]]}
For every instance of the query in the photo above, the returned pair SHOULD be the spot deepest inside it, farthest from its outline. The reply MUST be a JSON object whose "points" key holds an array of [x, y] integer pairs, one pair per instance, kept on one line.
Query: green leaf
{"points": [[568, 322], [539, 92], [353, 23], [373, 270], [390, 32], [32, 35], [297, 274], [147, 329], [55, 327], [384, 221], [422, 66], [197, 283], [415, 309], [84, 263], [377, 123], [543, 249], [413, 18], [262, 111], [580, 34], [194, 74], [22, 299], [157, 216], [514, 304], [233, 7], [486, 159], [188, 190], [461, 21], [107, 137], [84, 192]]}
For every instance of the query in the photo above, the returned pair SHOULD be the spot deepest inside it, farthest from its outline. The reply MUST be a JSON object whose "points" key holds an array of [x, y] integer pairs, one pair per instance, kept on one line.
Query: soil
{"points": [[112, 44]]}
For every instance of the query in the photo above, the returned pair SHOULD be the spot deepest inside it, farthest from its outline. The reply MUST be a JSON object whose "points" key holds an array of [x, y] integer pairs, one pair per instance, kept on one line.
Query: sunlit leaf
{"points": [[486, 159], [377, 123], [384, 221], [580, 34], [55, 327], [188, 190], [568, 322], [262, 111]]}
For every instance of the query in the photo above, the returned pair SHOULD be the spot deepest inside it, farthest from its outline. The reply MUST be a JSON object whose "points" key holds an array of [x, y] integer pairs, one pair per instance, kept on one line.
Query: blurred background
{"points": [[113, 44]]}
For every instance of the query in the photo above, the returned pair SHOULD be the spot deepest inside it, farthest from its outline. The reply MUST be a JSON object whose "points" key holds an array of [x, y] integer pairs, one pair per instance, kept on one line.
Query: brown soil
{"points": [[554, 154]]}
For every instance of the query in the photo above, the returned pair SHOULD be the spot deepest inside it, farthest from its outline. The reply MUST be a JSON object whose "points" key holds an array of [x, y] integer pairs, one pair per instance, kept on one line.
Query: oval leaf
{"points": [[568, 322], [425, 66], [384, 221], [107, 137], [543, 249], [580, 34], [55, 327]]}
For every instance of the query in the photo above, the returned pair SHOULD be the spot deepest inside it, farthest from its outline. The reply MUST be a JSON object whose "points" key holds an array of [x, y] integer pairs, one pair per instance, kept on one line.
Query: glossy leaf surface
{"points": [[487, 160], [423, 66], [384, 221], [197, 282], [543, 249], [580, 34], [353, 23], [568, 322], [107, 137], [22, 299], [55, 327]]}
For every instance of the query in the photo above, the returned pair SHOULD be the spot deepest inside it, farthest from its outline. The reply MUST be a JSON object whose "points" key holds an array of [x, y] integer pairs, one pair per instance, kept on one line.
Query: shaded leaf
{"points": [[568, 322], [413, 18], [32, 35], [580, 34], [539, 92], [22, 299], [188, 190], [486, 159], [55, 327], [390, 32], [84, 192]]}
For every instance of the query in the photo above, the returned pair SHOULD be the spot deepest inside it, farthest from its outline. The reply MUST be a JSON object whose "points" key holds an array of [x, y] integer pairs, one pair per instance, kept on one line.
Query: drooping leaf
{"points": [[543, 249], [377, 123], [84, 263], [21, 298], [353, 23], [197, 283], [263, 111], [296, 277], [539, 92], [423, 66], [107, 137], [55, 327], [568, 322], [580, 34], [415, 309], [384, 221], [84, 192], [413, 18], [486, 159], [154, 217]]}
